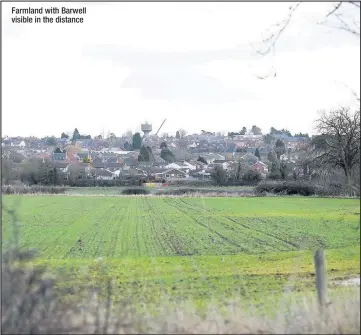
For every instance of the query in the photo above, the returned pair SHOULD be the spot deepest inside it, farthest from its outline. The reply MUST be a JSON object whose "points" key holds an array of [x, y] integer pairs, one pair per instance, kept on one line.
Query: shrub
{"points": [[31, 305], [332, 189], [215, 191], [286, 188], [34, 189], [135, 191], [102, 183], [252, 177], [191, 183]]}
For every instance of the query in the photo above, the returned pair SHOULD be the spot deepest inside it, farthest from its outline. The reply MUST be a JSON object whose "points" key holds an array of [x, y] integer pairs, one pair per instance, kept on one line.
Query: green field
{"points": [[196, 248]]}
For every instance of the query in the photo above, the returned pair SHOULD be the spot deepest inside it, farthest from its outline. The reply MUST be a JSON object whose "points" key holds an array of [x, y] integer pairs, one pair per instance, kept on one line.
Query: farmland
{"points": [[197, 248]]}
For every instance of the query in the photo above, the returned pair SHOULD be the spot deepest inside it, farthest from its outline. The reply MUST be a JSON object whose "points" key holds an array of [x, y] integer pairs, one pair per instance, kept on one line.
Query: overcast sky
{"points": [[194, 64]]}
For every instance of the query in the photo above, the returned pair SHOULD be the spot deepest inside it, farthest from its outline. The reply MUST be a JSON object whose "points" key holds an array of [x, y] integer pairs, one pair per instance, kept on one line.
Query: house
{"points": [[98, 163], [189, 165], [113, 166], [103, 175], [159, 161], [79, 170], [212, 156], [178, 166], [130, 173], [72, 158], [131, 161], [259, 167], [59, 155], [222, 163], [171, 174], [7, 142], [198, 165], [61, 165], [200, 174], [249, 158], [84, 155]]}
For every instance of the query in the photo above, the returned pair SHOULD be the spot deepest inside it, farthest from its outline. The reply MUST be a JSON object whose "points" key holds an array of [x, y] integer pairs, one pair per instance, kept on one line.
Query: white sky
{"points": [[191, 63]]}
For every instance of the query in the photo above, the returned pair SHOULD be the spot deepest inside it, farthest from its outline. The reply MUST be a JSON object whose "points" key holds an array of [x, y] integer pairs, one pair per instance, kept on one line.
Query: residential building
{"points": [[59, 155]]}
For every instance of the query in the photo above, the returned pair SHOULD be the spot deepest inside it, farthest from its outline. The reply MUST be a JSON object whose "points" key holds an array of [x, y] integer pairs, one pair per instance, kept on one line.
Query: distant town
{"points": [[248, 155]]}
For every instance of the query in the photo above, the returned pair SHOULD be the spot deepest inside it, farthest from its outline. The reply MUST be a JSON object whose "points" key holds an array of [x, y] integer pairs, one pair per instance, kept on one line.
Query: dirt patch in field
{"points": [[351, 282], [348, 282]]}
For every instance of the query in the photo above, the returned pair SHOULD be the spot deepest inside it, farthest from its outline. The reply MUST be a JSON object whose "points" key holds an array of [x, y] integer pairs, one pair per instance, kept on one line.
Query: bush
{"points": [[31, 304], [286, 188], [34, 189], [215, 191], [135, 191], [191, 183], [252, 177], [101, 183], [332, 189]]}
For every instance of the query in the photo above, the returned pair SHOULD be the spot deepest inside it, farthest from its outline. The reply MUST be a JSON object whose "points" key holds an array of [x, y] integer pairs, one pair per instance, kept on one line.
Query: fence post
{"points": [[321, 278]]}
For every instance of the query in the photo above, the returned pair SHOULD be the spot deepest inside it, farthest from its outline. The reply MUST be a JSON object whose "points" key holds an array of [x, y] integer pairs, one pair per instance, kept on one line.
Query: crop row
{"points": [[91, 227]]}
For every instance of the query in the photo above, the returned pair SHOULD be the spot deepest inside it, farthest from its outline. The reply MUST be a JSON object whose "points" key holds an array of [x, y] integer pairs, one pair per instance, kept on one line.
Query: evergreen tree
{"points": [[137, 141], [76, 134]]}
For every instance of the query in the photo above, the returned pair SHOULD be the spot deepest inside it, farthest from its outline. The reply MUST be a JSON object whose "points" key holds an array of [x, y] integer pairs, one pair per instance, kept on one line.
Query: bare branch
{"points": [[338, 5], [355, 3], [353, 92], [345, 26], [273, 37]]}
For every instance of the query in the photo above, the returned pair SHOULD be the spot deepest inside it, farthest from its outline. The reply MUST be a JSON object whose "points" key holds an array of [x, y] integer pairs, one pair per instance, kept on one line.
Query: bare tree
{"points": [[129, 134], [344, 23], [182, 133], [339, 143]]}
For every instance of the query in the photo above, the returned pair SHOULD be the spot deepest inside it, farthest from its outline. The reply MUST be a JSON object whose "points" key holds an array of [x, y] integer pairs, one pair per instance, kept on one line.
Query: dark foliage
{"points": [[34, 189], [286, 188], [102, 183], [252, 177], [135, 191]]}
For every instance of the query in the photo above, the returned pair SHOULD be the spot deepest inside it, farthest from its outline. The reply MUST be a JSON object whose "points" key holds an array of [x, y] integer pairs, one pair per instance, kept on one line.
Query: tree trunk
{"points": [[349, 187]]}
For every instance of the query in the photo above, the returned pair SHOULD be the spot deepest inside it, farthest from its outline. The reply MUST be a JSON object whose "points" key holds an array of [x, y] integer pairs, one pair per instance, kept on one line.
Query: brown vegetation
{"points": [[30, 305]]}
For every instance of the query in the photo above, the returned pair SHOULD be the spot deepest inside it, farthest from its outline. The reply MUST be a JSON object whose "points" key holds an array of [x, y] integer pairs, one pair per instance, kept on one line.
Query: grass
{"points": [[147, 227], [203, 249], [29, 306]]}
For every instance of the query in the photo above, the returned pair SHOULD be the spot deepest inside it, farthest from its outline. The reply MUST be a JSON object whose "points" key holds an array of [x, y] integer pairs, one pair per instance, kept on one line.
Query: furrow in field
{"points": [[195, 217], [272, 240], [53, 236], [118, 221], [149, 235], [35, 221], [156, 237], [176, 230], [224, 227], [162, 234], [288, 224], [125, 237], [88, 229], [96, 242], [196, 239], [287, 244], [131, 243]]}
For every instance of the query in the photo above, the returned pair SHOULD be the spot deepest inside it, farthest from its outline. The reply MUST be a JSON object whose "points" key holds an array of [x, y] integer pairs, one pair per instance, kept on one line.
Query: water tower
{"points": [[146, 128]]}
